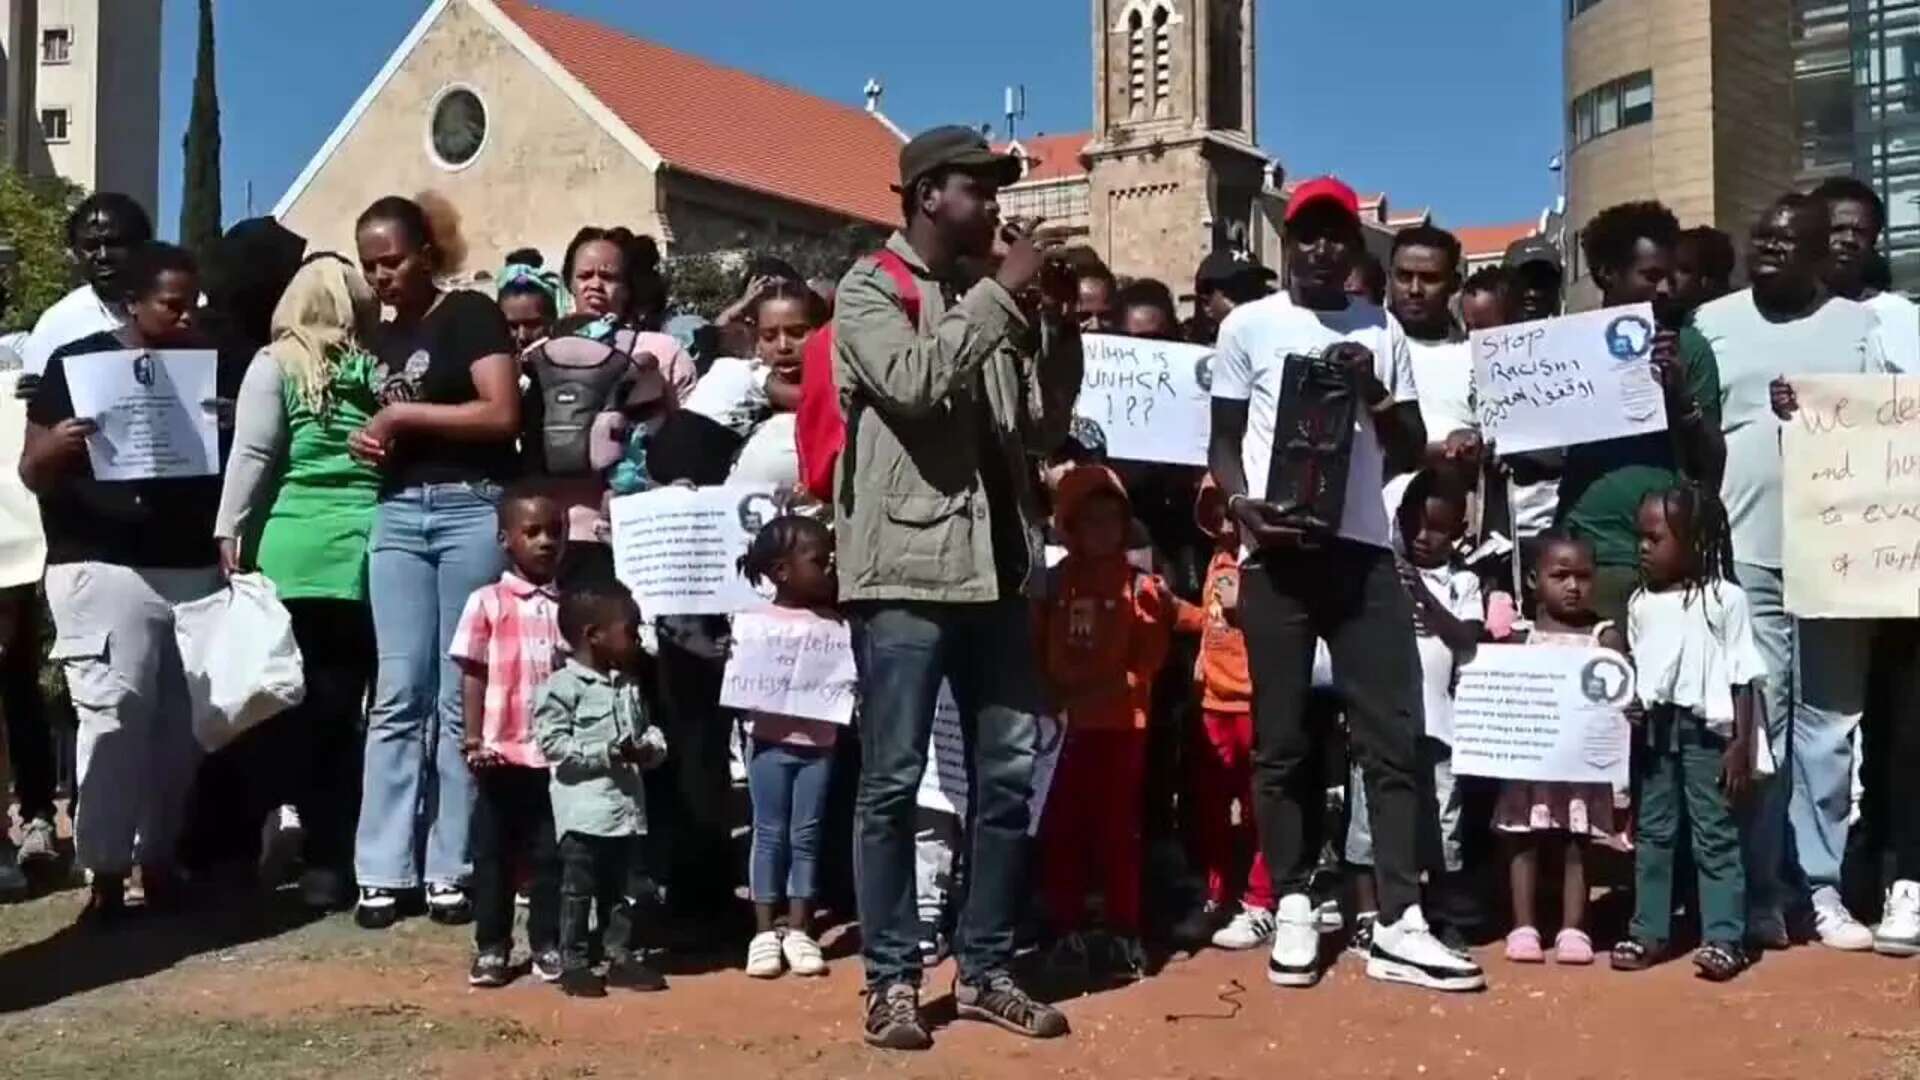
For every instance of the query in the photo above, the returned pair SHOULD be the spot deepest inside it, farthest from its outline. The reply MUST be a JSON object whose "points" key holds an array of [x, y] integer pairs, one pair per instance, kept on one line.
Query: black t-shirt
{"points": [[434, 364], [154, 523]]}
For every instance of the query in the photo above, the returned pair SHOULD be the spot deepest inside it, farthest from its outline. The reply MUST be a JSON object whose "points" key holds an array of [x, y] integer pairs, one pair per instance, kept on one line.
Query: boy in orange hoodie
{"points": [[1103, 632], [1222, 763]]}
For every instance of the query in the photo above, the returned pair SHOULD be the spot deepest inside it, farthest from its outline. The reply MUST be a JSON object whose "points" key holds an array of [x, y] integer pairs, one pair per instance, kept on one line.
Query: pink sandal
{"points": [[1523, 946], [1572, 946]]}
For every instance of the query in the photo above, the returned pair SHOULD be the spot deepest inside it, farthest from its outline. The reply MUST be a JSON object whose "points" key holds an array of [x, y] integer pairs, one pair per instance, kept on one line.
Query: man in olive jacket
{"points": [[938, 534]]}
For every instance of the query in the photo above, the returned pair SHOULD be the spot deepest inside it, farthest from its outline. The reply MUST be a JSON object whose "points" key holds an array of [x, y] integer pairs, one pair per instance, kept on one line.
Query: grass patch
{"points": [[383, 1041]]}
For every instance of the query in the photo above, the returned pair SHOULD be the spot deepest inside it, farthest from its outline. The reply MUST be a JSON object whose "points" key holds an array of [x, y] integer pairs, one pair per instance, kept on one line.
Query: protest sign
{"points": [[1850, 491], [1152, 399], [678, 548], [1566, 381], [943, 786], [1543, 712], [151, 408], [23, 546], [790, 664]]}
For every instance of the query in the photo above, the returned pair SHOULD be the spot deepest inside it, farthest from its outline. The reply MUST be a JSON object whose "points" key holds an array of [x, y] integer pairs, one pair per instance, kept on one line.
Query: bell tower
{"points": [[1174, 167]]}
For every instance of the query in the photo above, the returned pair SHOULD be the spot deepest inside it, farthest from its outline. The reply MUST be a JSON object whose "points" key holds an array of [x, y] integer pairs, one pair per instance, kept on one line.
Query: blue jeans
{"points": [[1816, 689], [788, 785], [432, 546], [985, 652]]}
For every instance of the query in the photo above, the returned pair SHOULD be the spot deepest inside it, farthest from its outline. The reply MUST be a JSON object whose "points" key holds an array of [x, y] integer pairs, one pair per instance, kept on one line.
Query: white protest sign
{"points": [[151, 409], [23, 546], [679, 548], [790, 664], [1561, 382], [943, 786], [1850, 493], [1152, 399], [1543, 712]]}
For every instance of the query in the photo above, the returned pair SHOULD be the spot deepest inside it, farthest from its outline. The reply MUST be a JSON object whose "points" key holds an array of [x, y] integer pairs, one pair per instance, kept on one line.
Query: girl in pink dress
{"points": [[1538, 816]]}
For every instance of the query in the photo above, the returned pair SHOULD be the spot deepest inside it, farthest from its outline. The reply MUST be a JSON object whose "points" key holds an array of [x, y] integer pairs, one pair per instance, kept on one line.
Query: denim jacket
{"points": [[581, 719]]}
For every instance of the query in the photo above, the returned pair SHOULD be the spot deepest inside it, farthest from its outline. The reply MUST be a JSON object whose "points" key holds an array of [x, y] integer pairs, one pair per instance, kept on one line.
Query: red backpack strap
{"points": [[902, 275]]}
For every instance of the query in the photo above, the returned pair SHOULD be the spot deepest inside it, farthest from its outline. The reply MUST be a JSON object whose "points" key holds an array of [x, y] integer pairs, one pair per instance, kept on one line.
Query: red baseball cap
{"points": [[1323, 188]]}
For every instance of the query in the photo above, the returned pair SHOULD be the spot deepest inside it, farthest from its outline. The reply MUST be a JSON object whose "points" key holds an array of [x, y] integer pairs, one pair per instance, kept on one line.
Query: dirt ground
{"points": [[256, 988]]}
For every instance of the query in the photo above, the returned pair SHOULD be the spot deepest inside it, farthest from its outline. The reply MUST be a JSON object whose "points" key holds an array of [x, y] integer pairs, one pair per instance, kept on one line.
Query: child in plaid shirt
{"points": [[505, 646]]}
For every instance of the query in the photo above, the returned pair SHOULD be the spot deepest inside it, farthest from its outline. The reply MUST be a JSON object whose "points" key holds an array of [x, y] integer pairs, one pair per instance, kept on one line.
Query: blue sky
{"points": [[1452, 105]]}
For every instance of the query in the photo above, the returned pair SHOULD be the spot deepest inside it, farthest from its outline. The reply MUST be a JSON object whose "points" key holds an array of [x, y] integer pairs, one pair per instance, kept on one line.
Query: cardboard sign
{"points": [[1561, 382], [1850, 468], [791, 664], [1152, 399], [678, 548], [1543, 712]]}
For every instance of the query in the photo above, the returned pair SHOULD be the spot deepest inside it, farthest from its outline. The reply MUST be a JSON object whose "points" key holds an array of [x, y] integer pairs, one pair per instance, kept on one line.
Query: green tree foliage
{"points": [[706, 283], [33, 223], [200, 192]]}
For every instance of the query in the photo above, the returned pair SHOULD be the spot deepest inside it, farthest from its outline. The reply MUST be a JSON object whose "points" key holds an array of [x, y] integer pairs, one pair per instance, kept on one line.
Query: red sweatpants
{"points": [[1090, 829], [1222, 773]]}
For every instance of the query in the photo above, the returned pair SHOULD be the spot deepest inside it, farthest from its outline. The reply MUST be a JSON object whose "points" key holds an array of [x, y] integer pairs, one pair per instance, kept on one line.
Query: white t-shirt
{"points": [[1459, 592], [1691, 649], [1841, 337], [80, 313], [1443, 376], [1249, 359], [733, 393], [1899, 331]]}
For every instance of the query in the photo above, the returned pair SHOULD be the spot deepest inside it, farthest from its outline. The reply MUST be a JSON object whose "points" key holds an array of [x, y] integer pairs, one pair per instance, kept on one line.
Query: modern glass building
{"points": [[1856, 67]]}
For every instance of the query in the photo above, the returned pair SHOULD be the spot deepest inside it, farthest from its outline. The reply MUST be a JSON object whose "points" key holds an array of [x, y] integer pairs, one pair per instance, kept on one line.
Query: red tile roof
{"points": [[1052, 157], [1484, 240], [775, 139]]}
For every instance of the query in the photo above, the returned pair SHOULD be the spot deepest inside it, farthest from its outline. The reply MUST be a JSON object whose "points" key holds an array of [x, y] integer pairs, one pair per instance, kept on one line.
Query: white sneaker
{"points": [[1835, 925], [1249, 929], [1899, 932], [1295, 959], [802, 953], [764, 960], [1407, 952], [281, 840]]}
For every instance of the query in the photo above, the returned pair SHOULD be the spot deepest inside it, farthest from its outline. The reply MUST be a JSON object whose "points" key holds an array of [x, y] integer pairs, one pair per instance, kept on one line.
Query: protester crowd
{"points": [[1247, 667]]}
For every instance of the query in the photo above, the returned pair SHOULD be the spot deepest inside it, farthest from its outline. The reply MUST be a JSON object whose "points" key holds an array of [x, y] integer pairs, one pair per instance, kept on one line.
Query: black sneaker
{"points": [[546, 965], [632, 973], [1361, 943], [106, 904], [582, 983], [448, 905], [490, 969], [893, 1019], [998, 1000], [377, 909]]}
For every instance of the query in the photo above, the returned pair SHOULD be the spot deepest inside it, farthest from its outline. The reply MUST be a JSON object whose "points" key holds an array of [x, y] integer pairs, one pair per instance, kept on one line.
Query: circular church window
{"points": [[458, 127]]}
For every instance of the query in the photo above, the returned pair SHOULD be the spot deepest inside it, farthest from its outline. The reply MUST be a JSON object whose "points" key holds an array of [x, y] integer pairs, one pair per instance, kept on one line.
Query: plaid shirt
{"points": [[511, 629]]}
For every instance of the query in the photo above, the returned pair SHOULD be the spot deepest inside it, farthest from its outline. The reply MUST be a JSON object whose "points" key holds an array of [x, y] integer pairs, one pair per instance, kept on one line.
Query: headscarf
{"points": [[545, 280], [327, 313]]}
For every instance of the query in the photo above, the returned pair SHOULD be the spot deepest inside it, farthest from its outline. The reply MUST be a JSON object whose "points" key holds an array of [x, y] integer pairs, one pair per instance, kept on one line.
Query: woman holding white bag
{"points": [[298, 508], [120, 555]]}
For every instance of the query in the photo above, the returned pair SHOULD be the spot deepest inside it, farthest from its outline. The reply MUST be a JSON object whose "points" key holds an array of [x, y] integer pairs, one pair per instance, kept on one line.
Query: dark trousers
{"points": [[1892, 746], [1681, 785], [513, 825], [593, 881], [1348, 594], [903, 652], [692, 842], [29, 729]]}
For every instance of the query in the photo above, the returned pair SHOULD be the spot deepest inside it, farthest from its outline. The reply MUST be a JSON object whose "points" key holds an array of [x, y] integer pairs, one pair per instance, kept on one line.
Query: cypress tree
{"points": [[200, 191]]}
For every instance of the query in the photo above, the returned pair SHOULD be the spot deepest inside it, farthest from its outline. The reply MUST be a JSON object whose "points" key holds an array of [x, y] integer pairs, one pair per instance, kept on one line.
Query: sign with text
{"points": [[1543, 712], [679, 548], [153, 410], [943, 786], [1850, 492], [1561, 382], [790, 664], [1152, 399]]}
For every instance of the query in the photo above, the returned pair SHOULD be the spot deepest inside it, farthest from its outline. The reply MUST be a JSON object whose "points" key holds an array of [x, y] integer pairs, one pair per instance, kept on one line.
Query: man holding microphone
{"points": [[946, 392]]}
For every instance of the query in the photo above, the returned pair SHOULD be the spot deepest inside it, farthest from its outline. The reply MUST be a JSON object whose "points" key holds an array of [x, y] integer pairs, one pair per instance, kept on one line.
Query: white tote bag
{"points": [[241, 660]]}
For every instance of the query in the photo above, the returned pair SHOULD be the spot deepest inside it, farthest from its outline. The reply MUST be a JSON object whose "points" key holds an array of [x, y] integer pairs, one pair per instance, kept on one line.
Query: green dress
{"points": [[313, 545]]}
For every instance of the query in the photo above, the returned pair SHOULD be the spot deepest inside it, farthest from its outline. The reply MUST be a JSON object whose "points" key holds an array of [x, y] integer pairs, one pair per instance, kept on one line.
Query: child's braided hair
{"points": [[1697, 518]]}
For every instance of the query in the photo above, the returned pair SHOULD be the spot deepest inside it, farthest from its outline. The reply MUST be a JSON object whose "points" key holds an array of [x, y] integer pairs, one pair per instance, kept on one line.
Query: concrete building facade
{"points": [[95, 113], [531, 123], [1686, 101]]}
